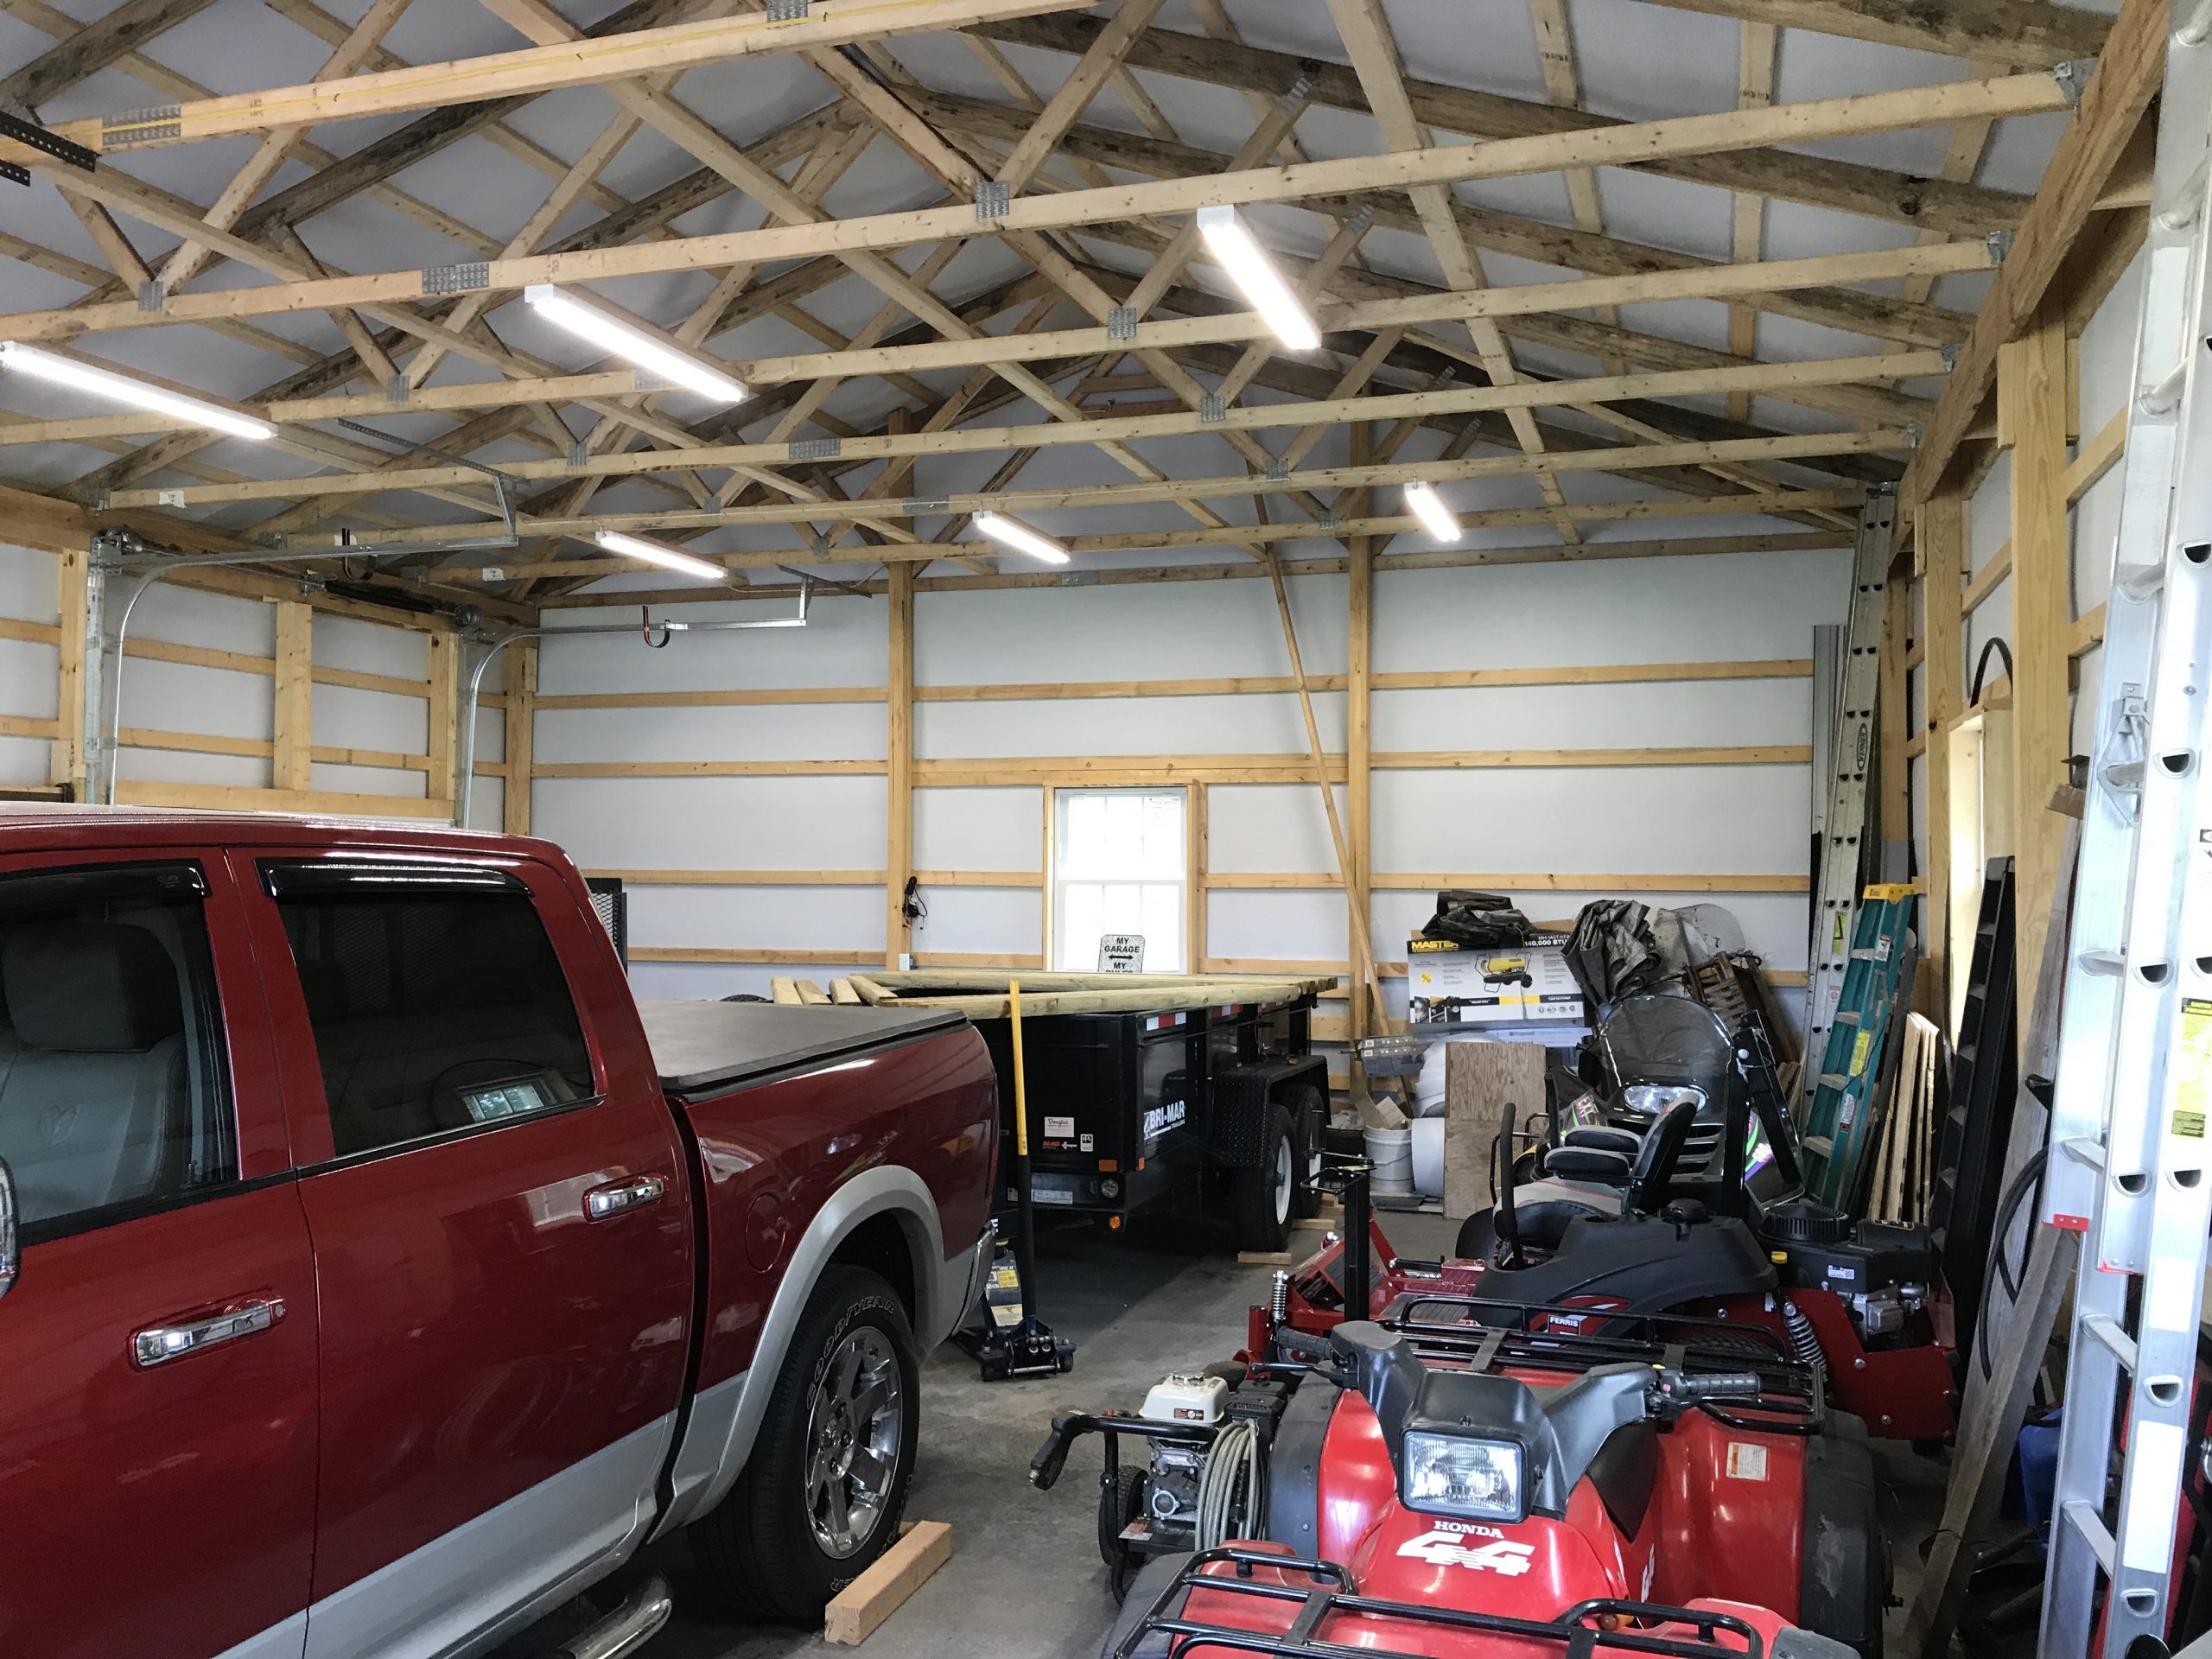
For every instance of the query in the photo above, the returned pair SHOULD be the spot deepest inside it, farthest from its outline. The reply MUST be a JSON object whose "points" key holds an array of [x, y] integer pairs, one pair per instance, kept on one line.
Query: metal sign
{"points": [[1121, 953]]}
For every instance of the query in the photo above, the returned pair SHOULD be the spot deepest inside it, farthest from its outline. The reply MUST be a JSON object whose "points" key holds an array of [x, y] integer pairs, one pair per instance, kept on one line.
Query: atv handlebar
{"points": [[1685, 1388]]}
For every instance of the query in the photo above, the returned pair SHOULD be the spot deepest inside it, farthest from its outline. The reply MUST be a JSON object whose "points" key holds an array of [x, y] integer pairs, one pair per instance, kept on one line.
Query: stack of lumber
{"points": [[1904, 1158], [982, 994]]}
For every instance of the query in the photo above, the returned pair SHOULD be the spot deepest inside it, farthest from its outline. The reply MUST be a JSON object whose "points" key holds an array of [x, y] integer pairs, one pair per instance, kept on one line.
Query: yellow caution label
{"points": [[1859, 1046], [1836, 943], [1007, 1278], [2193, 1069], [1889, 892]]}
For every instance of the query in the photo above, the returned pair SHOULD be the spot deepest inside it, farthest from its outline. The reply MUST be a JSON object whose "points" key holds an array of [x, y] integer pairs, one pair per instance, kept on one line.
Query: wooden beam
{"points": [[2031, 391], [2128, 77], [293, 760], [898, 770], [445, 714], [521, 734], [534, 69], [66, 765], [1617, 145], [93, 47], [1940, 537], [1785, 174], [2035, 32], [1755, 53]]}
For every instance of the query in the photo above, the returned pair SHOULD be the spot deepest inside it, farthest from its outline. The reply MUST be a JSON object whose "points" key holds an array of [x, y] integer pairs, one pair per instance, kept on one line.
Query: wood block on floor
{"points": [[1320, 1223], [862, 1606], [1264, 1258]]}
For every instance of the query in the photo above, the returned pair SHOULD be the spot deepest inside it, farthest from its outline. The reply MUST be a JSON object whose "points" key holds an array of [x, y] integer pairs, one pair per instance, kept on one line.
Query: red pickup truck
{"points": [[375, 1274]]}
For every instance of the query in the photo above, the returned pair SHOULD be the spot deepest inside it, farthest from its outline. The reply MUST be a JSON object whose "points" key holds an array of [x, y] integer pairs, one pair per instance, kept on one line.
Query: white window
{"points": [[1119, 866]]}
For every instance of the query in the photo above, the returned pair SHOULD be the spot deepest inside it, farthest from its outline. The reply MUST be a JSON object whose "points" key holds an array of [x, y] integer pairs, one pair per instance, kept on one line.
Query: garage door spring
{"points": [[1232, 1487]]}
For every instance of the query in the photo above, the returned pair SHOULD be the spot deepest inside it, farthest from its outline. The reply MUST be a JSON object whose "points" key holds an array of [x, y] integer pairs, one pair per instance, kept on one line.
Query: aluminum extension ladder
{"points": [[1850, 754], [2129, 1163]]}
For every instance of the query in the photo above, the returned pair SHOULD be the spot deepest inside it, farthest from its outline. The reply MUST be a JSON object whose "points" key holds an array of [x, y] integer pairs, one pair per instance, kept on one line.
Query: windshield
{"points": [[1669, 1036]]}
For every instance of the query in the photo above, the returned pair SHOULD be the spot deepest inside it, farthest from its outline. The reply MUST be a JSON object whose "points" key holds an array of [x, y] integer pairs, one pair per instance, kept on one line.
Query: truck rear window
{"points": [[433, 1010]]}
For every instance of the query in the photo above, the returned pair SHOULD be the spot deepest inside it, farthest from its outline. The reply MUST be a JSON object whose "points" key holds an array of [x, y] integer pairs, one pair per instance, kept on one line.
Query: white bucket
{"points": [[1428, 1156], [1391, 1161]]}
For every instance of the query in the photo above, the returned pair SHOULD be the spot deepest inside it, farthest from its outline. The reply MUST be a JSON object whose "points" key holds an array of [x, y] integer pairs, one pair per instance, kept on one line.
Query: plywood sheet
{"points": [[1483, 1083]]}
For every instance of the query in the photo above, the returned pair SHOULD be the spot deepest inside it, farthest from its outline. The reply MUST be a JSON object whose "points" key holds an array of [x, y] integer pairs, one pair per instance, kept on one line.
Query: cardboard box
{"points": [[1450, 984]]}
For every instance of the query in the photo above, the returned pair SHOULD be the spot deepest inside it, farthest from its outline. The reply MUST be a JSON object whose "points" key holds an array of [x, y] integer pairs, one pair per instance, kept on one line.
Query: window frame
{"points": [[401, 875], [210, 1008], [1055, 800]]}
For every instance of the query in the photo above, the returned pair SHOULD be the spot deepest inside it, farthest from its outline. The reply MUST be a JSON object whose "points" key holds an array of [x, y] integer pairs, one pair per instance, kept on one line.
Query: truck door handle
{"points": [[157, 1345], [604, 1201]]}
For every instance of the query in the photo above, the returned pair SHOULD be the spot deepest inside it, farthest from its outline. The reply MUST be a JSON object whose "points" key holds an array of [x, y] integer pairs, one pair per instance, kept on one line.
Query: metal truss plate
{"points": [[465, 279]]}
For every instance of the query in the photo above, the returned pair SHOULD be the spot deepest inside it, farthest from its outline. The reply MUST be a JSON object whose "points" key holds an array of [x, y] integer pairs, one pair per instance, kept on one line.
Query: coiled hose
{"points": [[1232, 1487]]}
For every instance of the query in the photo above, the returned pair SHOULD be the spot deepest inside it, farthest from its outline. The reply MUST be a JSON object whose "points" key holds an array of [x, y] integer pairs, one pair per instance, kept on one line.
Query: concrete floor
{"points": [[1025, 1579]]}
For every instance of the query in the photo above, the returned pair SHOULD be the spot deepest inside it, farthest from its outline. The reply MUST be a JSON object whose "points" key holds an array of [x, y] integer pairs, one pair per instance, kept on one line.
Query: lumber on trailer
{"points": [[812, 994], [842, 991], [982, 995], [784, 991]]}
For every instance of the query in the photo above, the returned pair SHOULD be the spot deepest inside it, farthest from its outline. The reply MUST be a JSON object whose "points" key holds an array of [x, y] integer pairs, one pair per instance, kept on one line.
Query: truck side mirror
{"points": [[10, 1257]]}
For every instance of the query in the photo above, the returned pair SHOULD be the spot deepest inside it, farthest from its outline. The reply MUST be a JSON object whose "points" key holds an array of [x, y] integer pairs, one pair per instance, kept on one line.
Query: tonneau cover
{"points": [[703, 1045]]}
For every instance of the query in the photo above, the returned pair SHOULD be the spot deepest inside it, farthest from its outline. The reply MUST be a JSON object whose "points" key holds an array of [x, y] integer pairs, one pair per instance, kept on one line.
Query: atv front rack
{"points": [[1330, 1595]]}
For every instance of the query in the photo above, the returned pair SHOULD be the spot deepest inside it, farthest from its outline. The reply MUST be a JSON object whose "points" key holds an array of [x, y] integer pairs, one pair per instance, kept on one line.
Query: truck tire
{"points": [[820, 1496], [1309, 1130], [1260, 1199]]}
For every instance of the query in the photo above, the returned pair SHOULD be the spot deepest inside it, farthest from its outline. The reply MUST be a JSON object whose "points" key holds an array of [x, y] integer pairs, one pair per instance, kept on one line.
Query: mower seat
{"points": [[1544, 1210], [1606, 1138], [1588, 1165], [1648, 1261]]}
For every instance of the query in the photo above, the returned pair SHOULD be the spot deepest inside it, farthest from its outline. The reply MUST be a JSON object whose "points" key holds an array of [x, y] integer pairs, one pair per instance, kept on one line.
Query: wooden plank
{"points": [[93, 47], [445, 714], [1940, 537], [784, 991], [235, 798], [862, 1605], [811, 994], [2012, 31], [898, 770], [1198, 851], [1662, 881], [795, 957], [1483, 1083], [66, 763], [293, 765], [2031, 388], [521, 725]]}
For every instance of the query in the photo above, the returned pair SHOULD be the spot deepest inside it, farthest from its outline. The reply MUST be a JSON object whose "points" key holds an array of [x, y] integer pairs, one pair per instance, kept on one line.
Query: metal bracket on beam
{"points": [[813, 449], [1211, 410], [1298, 93], [915, 506], [786, 11], [465, 279], [993, 198], [397, 390], [579, 453], [31, 136], [1279, 471], [1999, 243], [1950, 351], [1121, 322], [646, 381], [142, 126], [1912, 434], [1329, 524], [2073, 79], [151, 297]]}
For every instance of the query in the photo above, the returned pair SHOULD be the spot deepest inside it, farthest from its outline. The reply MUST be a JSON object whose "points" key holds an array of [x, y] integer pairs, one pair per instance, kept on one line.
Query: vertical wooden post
{"points": [[294, 766], [1359, 665], [66, 765], [2031, 404], [1893, 715], [899, 780], [1194, 930], [1940, 535], [522, 723], [445, 718]]}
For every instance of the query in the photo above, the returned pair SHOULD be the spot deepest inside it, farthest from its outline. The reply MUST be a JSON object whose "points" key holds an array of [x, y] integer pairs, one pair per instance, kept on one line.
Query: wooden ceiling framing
{"points": [[1099, 196]]}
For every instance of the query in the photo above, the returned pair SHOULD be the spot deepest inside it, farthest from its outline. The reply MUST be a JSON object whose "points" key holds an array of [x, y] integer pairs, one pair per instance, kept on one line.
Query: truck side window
{"points": [[435, 1008], [114, 1085]]}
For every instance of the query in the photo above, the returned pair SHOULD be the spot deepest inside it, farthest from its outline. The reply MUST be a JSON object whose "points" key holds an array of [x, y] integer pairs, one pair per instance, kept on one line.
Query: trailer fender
{"points": [[1242, 1095]]}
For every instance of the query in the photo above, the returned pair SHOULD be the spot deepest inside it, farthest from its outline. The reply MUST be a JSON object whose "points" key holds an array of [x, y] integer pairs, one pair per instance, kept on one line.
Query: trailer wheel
{"points": [[820, 1496], [1261, 1198], [1118, 1505], [1309, 1131]]}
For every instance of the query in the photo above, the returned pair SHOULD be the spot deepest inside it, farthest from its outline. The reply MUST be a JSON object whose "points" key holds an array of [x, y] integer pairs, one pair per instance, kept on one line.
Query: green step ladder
{"points": [[1843, 1114]]}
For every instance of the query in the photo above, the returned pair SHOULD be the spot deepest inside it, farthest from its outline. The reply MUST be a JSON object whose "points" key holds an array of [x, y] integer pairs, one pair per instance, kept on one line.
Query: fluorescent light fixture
{"points": [[68, 369], [1428, 506], [1248, 265], [668, 558], [1018, 536], [608, 328]]}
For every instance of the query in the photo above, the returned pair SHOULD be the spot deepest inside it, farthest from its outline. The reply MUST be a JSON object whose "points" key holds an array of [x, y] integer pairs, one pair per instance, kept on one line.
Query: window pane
{"points": [[433, 1011], [113, 1087], [1120, 865]]}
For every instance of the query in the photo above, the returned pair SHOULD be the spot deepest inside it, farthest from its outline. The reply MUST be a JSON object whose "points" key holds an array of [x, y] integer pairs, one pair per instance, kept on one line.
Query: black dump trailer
{"points": [[1215, 1110]]}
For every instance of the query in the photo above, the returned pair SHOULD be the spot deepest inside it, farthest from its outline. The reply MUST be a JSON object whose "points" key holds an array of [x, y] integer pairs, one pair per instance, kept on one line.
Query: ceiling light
{"points": [[610, 330], [1436, 518], [1018, 536], [659, 553], [68, 369], [1247, 262]]}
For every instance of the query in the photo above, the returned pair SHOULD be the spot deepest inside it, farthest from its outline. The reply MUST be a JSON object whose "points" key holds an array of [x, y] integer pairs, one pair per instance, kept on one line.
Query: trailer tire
{"points": [[1309, 1130], [1261, 1199], [1118, 1505], [759, 1547]]}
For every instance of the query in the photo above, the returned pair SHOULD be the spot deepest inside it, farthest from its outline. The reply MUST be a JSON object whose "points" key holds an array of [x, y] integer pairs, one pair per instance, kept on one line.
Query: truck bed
{"points": [[700, 1047]]}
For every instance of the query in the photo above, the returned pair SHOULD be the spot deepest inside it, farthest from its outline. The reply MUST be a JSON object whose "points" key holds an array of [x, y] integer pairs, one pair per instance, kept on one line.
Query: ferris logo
{"points": [[1447, 1546]]}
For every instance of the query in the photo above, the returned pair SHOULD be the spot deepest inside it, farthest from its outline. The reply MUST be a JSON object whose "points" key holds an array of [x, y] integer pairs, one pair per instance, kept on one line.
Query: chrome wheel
{"points": [[1286, 1180], [853, 1430]]}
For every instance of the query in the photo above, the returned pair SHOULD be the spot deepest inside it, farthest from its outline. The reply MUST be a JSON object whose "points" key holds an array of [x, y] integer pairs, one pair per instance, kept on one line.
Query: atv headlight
{"points": [[1651, 1099], [1479, 1479]]}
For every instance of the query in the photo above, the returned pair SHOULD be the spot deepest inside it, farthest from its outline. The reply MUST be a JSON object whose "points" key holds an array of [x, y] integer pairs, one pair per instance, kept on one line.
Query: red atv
{"points": [[1693, 1216], [1427, 1484]]}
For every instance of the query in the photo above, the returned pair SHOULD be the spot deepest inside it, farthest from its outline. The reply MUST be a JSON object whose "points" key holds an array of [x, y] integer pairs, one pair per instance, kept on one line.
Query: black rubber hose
{"points": [[2025, 1183], [1981, 666]]}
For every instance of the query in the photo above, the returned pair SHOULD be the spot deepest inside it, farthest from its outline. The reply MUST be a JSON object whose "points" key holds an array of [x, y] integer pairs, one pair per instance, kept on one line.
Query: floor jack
{"points": [[1014, 1342]]}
